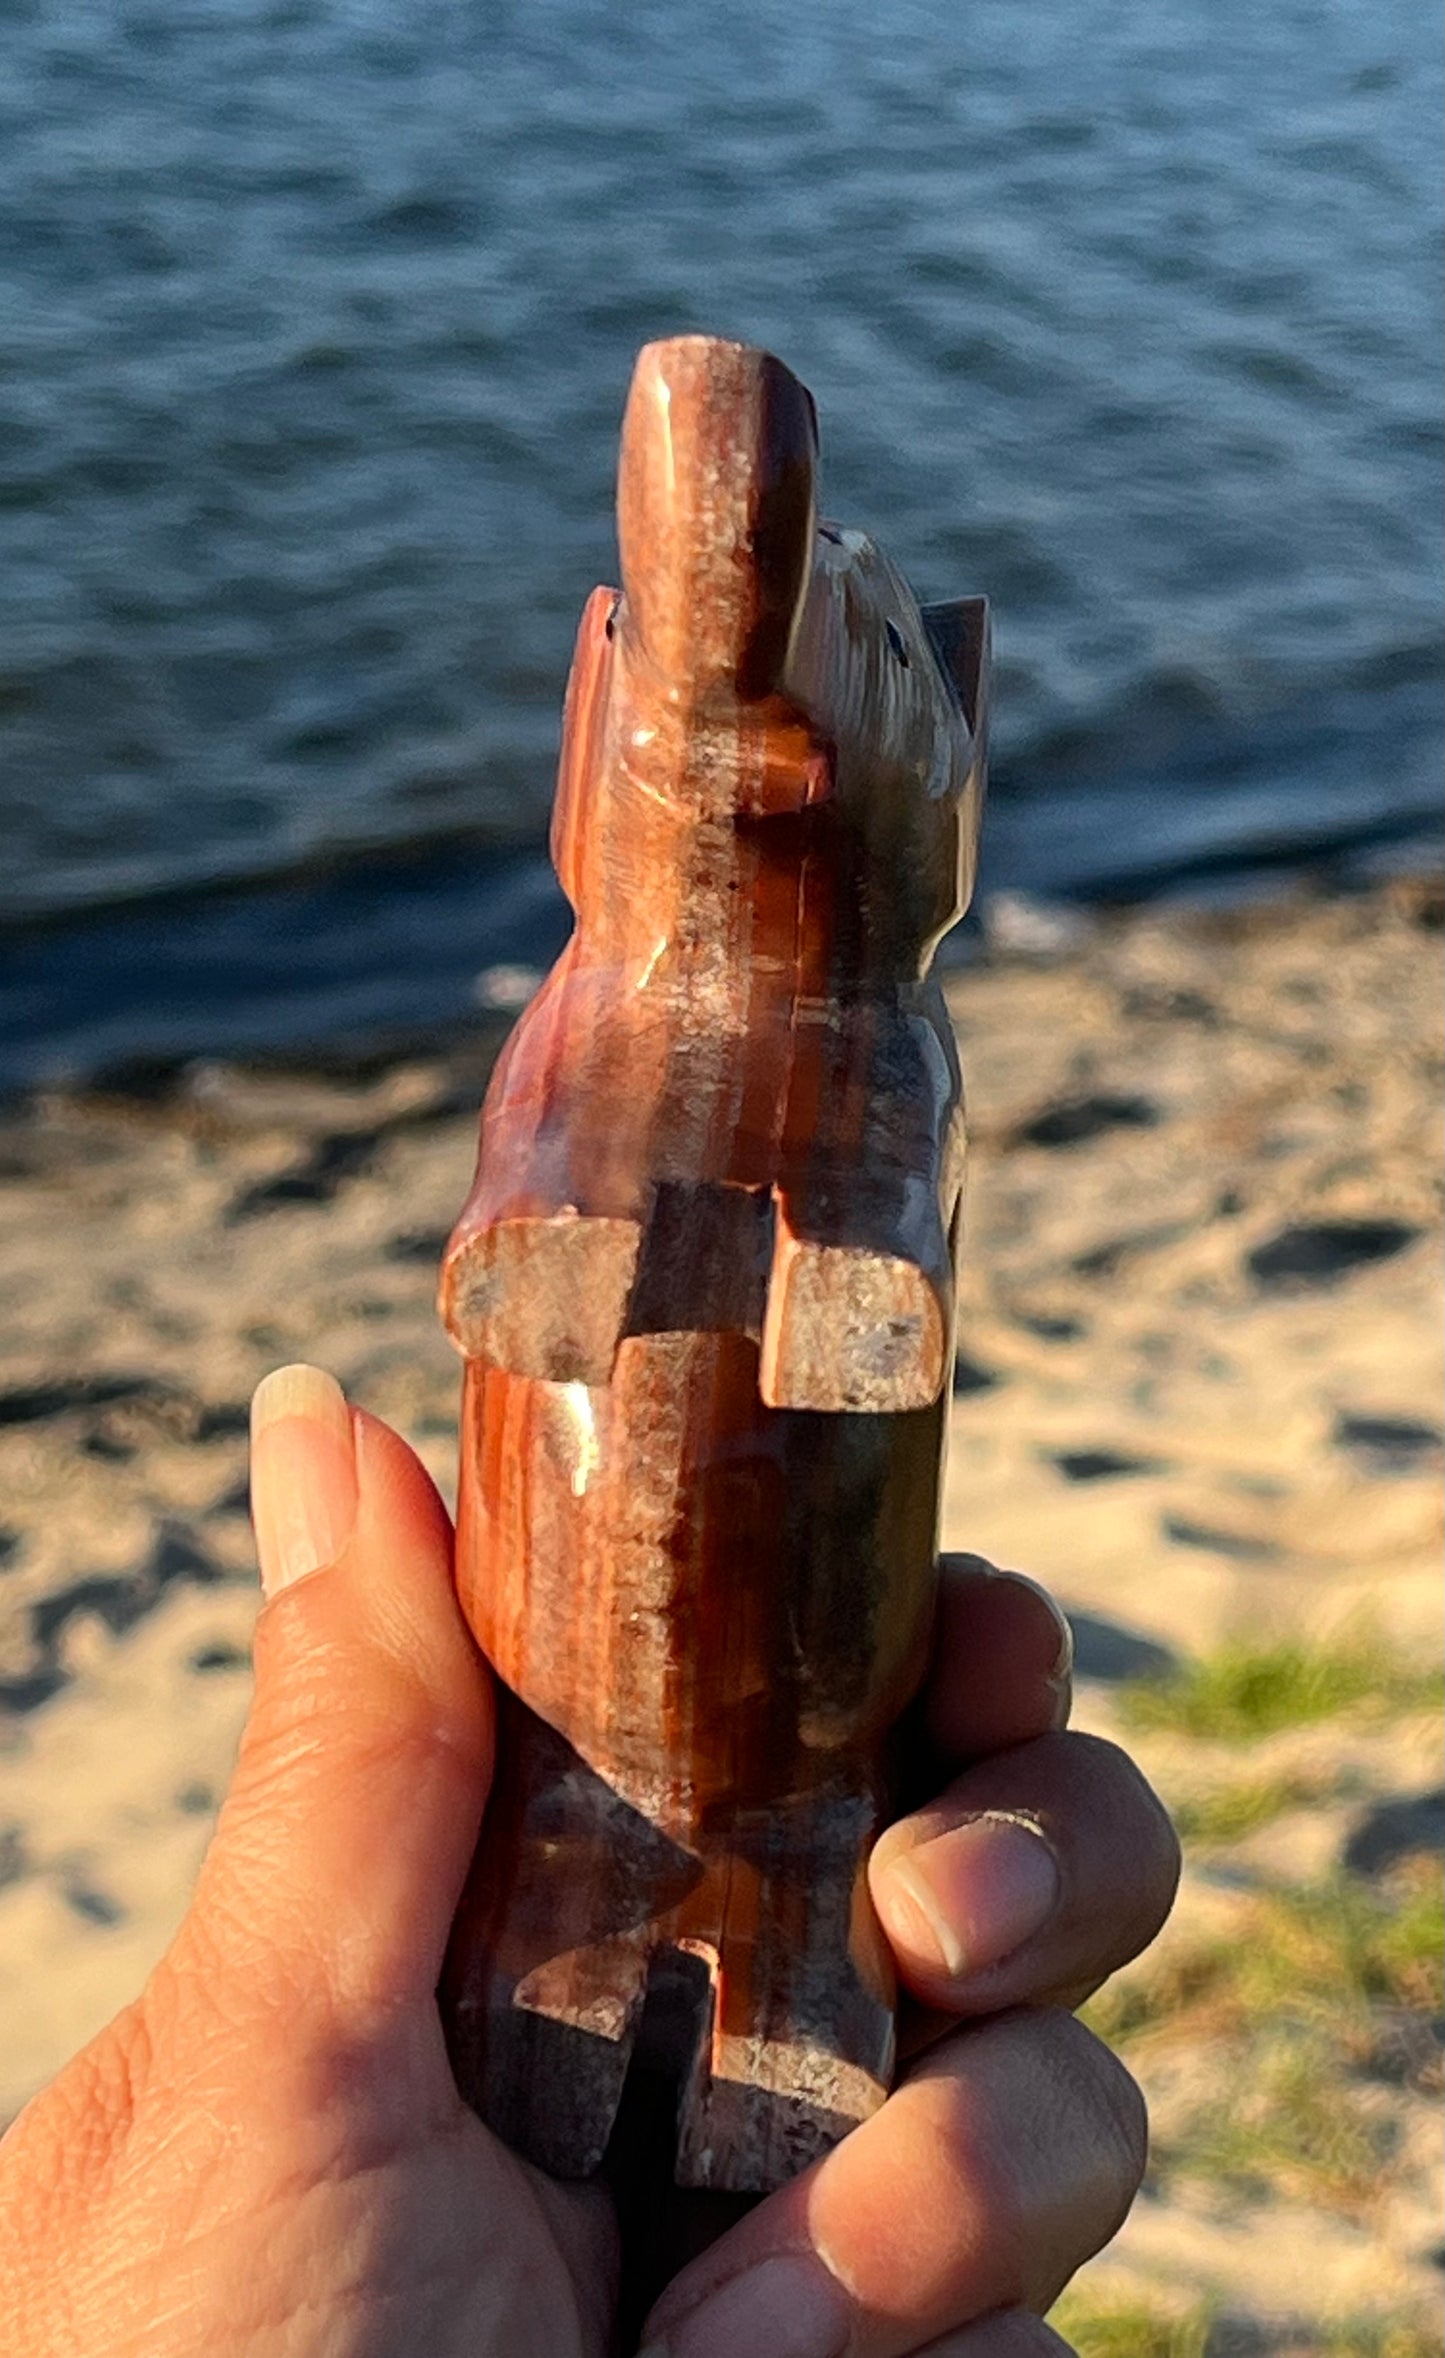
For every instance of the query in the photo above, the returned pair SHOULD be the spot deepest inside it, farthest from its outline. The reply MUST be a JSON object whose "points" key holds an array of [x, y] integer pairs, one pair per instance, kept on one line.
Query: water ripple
{"points": [[315, 324]]}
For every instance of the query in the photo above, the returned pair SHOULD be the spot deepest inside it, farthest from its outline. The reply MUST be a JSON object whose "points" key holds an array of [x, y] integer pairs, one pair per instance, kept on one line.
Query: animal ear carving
{"points": [[959, 631]]}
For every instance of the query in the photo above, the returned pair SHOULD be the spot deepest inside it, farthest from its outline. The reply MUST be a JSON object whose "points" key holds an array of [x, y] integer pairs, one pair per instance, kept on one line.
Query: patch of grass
{"points": [[1333, 1949], [1293, 2010], [1129, 2329], [1105, 2328], [1229, 1812], [1379, 2337], [1287, 2128], [1251, 1690]]}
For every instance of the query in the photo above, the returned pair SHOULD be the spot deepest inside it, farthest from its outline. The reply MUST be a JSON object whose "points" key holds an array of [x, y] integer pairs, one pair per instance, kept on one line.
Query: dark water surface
{"points": [[315, 322]]}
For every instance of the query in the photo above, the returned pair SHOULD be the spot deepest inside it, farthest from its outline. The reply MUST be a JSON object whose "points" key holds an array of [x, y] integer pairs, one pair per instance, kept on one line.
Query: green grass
{"points": [[1226, 1813], [1377, 2337], [1294, 2010], [1285, 2129], [1282, 2047], [1250, 1690], [1334, 1949], [1129, 2329], [1113, 2328]]}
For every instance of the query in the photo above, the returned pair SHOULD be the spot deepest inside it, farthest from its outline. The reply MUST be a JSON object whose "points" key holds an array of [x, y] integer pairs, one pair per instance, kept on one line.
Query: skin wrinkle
{"points": [[424, 1667], [203, 1983], [370, 1759], [404, 1706], [257, 1842], [190, 2287], [103, 2108], [317, 2179], [347, 2234], [101, 2280]]}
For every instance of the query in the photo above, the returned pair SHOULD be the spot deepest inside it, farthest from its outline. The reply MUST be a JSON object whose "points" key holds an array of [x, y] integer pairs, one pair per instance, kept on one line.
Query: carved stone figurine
{"points": [[704, 1289]]}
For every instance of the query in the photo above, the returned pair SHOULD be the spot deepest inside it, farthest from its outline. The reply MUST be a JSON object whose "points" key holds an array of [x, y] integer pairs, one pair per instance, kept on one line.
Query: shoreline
{"points": [[1198, 1388], [372, 956]]}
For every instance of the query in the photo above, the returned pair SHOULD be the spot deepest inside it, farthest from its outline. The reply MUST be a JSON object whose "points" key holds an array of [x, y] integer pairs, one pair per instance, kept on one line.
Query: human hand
{"points": [[266, 2154]]}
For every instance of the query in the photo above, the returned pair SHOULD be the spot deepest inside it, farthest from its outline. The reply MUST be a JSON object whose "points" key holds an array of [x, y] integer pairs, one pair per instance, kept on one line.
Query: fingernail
{"points": [[303, 1474], [970, 1897], [788, 2307]]}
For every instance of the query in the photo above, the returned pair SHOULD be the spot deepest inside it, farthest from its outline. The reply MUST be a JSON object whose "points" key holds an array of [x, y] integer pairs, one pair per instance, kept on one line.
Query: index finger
{"points": [[1002, 1661]]}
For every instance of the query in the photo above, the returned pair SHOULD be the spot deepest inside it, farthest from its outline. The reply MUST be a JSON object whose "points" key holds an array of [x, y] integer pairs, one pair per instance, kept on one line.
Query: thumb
{"points": [[345, 1838]]}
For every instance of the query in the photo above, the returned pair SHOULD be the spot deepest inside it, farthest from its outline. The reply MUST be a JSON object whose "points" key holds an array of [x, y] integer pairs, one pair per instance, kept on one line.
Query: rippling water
{"points": [[316, 318]]}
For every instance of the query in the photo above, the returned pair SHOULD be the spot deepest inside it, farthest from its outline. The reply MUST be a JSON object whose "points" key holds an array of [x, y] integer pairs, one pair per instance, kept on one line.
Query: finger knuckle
{"points": [[1110, 2111], [1046, 2140], [1124, 1799], [1069, 2170]]}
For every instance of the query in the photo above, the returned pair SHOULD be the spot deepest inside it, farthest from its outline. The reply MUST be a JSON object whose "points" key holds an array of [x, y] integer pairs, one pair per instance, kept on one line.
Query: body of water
{"points": [[316, 318]]}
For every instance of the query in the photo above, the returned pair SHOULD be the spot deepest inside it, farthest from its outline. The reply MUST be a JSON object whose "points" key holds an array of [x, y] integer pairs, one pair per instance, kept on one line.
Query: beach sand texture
{"points": [[1199, 1393]]}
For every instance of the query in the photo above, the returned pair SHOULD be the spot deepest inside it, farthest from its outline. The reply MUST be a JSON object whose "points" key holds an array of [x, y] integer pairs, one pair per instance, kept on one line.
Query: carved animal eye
{"points": [[895, 641]]}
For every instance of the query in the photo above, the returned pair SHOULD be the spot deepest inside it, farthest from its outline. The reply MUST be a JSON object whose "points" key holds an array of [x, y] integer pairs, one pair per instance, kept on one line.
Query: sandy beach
{"points": [[1199, 1393]]}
